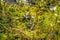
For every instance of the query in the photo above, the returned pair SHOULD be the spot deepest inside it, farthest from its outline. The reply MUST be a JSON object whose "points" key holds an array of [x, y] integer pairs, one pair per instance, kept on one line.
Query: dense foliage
{"points": [[38, 20]]}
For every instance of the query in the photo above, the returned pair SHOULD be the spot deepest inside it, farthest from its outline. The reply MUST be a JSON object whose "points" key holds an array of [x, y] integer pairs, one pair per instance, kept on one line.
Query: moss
{"points": [[16, 24]]}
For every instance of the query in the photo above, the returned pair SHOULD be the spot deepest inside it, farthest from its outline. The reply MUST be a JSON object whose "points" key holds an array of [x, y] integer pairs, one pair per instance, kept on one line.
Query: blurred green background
{"points": [[29, 19]]}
